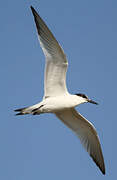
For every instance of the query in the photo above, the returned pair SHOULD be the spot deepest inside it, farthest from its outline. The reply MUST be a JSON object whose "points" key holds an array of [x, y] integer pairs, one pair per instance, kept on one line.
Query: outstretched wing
{"points": [[56, 62], [86, 132]]}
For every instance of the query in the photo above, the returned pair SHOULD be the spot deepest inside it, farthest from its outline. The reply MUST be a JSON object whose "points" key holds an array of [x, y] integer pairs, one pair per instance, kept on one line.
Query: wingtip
{"points": [[101, 167], [31, 6], [103, 171], [32, 9]]}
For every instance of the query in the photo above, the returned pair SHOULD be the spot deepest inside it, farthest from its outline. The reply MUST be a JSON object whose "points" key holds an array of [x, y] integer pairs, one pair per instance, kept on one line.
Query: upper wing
{"points": [[86, 132], [56, 62]]}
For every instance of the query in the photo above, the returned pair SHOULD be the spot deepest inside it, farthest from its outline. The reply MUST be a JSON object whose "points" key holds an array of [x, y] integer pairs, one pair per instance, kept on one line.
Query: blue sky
{"points": [[41, 147]]}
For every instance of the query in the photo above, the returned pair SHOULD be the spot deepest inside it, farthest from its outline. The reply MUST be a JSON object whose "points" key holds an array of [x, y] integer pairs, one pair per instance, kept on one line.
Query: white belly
{"points": [[54, 104]]}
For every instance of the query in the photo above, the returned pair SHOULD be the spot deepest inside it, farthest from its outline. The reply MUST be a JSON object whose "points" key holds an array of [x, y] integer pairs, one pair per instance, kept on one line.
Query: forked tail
{"points": [[23, 111], [29, 110]]}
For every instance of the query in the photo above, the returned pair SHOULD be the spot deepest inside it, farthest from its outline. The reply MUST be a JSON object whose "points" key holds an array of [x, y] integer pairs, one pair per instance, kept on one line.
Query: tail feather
{"points": [[19, 114], [22, 111], [29, 110]]}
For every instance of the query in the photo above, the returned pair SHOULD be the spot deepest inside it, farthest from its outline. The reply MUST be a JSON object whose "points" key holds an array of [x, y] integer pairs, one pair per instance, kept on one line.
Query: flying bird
{"points": [[56, 97]]}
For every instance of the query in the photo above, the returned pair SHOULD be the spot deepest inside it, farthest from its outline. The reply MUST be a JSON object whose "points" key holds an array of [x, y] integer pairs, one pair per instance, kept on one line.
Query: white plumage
{"points": [[56, 98]]}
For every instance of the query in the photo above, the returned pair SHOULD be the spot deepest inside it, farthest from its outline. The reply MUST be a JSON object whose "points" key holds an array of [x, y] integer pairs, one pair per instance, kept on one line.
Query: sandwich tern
{"points": [[57, 99]]}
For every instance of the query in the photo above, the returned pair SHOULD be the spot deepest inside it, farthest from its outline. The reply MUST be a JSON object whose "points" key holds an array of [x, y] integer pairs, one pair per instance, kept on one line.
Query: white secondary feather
{"points": [[56, 62]]}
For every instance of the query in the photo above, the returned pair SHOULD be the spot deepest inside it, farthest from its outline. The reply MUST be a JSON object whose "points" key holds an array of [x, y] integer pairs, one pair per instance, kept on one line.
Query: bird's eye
{"points": [[84, 96]]}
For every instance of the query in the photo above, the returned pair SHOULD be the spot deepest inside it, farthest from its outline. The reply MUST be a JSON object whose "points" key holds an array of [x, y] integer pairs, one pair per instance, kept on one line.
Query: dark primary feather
{"points": [[46, 37]]}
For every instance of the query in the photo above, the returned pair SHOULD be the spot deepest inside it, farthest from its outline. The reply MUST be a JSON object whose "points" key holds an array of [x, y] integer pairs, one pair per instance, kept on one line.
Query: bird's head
{"points": [[84, 99]]}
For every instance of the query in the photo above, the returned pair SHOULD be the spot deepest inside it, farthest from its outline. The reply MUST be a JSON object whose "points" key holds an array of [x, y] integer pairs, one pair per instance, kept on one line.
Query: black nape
{"points": [[82, 95]]}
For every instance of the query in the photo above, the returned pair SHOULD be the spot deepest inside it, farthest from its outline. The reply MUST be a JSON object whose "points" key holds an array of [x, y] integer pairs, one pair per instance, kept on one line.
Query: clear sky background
{"points": [[41, 147]]}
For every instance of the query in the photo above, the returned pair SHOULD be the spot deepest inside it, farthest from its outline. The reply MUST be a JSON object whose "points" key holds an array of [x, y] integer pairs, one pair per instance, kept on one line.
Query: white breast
{"points": [[55, 104]]}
